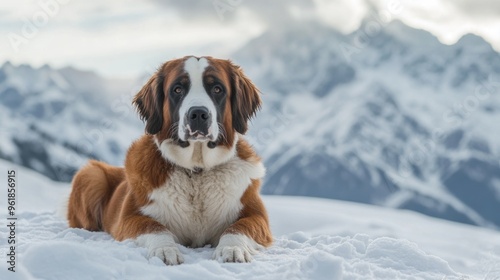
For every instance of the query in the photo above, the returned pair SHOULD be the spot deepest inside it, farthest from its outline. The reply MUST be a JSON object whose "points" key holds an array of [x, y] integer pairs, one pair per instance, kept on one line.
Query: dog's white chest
{"points": [[197, 208]]}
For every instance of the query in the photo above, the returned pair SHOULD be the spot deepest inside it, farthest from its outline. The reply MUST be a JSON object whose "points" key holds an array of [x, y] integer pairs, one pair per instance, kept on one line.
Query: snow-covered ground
{"points": [[315, 239]]}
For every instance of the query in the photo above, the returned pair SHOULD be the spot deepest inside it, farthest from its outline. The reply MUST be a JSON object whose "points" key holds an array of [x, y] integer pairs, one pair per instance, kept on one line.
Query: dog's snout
{"points": [[200, 114]]}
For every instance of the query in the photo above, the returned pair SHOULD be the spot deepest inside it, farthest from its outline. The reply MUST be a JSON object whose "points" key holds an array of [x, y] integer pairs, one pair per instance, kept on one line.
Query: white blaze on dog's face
{"points": [[197, 100], [197, 113]]}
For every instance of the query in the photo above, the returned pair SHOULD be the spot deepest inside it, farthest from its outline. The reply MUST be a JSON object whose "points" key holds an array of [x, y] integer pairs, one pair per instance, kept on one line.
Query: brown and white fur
{"points": [[192, 178]]}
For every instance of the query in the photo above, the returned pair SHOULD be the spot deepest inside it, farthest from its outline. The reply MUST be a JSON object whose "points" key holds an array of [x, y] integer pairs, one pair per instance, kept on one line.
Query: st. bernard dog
{"points": [[192, 178]]}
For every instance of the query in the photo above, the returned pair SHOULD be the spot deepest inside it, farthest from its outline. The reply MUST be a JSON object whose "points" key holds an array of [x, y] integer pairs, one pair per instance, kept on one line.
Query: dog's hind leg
{"points": [[92, 188]]}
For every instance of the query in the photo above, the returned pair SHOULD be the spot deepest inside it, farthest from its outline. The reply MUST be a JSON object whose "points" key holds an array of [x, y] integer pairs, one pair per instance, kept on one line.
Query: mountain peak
{"points": [[473, 41], [410, 35], [7, 64], [45, 67]]}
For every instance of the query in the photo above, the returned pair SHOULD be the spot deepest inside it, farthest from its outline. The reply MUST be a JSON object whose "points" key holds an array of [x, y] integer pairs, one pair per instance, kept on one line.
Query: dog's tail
{"points": [[92, 188]]}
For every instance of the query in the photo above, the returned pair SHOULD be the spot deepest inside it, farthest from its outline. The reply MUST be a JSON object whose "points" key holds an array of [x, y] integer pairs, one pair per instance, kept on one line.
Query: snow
{"points": [[314, 239]]}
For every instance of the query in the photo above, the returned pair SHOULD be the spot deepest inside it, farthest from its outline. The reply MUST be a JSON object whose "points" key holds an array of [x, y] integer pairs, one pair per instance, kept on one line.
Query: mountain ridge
{"points": [[384, 117]]}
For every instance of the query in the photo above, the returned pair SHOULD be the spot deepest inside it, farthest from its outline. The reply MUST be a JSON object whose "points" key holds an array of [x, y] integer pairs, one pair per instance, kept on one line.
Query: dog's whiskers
{"points": [[173, 128], [222, 131]]}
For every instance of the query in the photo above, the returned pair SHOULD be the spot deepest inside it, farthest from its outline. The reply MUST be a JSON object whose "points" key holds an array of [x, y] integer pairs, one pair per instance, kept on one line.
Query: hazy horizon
{"points": [[124, 39]]}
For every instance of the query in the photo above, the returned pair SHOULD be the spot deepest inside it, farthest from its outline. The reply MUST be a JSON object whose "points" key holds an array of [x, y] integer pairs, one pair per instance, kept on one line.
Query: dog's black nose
{"points": [[199, 118], [198, 114]]}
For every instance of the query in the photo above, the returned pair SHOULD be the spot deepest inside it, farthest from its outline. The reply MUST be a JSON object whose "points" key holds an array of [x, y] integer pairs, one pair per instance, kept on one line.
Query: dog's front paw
{"points": [[170, 255], [161, 245], [236, 248], [232, 254]]}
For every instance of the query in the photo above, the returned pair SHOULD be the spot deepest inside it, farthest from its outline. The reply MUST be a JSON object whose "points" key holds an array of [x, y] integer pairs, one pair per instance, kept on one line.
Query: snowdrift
{"points": [[315, 239]]}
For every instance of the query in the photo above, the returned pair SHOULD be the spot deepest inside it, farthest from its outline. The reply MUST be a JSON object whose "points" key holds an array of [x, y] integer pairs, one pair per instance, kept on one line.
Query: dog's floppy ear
{"points": [[245, 99], [149, 103]]}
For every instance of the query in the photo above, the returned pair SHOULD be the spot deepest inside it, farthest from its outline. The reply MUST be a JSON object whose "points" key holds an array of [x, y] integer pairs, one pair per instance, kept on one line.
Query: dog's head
{"points": [[198, 99]]}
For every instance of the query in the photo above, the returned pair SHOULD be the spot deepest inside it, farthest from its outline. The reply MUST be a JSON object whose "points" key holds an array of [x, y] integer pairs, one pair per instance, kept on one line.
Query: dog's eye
{"points": [[217, 90], [178, 90]]}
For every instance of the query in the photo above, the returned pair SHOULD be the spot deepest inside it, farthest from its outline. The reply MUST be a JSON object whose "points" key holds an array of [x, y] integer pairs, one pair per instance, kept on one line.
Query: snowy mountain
{"points": [[401, 121], [53, 120], [326, 239]]}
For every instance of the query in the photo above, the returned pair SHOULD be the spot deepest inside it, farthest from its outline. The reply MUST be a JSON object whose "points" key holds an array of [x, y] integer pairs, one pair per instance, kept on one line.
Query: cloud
{"points": [[449, 20], [120, 37], [342, 15], [479, 8], [272, 13]]}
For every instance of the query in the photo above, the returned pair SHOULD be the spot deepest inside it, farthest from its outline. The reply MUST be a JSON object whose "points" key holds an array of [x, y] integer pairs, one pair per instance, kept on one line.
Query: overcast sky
{"points": [[123, 38]]}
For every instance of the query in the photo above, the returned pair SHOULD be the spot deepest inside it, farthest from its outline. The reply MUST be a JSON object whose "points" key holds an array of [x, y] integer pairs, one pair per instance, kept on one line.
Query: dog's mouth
{"points": [[198, 135]]}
